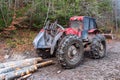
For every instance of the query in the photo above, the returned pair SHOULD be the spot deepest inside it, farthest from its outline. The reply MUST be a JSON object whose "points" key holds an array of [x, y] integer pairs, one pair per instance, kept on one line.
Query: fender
{"points": [[55, 42], [93, 30], [71, 31], [101, 37]]}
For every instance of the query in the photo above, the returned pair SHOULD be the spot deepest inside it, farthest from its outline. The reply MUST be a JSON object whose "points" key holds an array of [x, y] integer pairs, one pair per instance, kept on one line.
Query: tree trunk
{"points": [[24, 77], [20, 63], [27, 70]]}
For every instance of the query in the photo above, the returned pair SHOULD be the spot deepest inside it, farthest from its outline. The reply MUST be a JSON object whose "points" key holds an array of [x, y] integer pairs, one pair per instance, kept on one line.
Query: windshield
{"points": [[76, 24]]}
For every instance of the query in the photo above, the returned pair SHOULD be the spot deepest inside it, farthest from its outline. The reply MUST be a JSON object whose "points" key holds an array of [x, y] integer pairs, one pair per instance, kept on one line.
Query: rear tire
{"points": [[98, 47], [70, 51]]}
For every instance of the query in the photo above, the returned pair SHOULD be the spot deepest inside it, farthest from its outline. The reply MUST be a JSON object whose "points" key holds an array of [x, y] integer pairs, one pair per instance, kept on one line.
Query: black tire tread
{"points": [[60, 51], [101, 39]]}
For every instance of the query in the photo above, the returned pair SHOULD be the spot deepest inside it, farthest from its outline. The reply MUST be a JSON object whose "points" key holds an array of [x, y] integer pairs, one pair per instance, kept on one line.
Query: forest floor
{"points": [[107, 68]]}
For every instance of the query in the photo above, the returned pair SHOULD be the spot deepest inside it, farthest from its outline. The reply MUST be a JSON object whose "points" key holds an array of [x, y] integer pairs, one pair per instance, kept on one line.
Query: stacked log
{"points": [[21, 62], [10, 66], [109, 36], [21, 68]]}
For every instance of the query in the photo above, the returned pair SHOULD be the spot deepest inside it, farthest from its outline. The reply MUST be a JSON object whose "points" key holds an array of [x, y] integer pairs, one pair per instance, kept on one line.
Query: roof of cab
{"points": [[80, 18]]}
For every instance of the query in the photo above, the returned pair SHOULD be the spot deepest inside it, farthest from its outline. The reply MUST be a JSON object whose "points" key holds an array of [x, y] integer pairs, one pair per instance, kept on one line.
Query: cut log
{"points": [[24, 77], [109, 36], [16, 67], [44, 63], [23, 71], [21, 62], [2, 77]]}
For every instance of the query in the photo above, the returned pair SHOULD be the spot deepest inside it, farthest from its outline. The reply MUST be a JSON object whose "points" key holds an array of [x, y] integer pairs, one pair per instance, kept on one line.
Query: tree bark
{"points": [[24, 77], [21, 63], [24, 71]]}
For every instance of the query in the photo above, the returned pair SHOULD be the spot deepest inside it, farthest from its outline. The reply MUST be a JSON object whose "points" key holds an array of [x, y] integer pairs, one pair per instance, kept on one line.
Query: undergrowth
{"points": [[20, 40]]}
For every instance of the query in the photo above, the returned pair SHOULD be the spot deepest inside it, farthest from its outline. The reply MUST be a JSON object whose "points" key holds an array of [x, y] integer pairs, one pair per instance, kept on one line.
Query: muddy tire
{"points": [[98, 47], [70, 51], [43, 53]]}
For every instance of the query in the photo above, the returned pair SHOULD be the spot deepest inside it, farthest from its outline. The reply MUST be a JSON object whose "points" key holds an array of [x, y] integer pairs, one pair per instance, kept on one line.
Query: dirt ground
{"points": [[107, 68]]}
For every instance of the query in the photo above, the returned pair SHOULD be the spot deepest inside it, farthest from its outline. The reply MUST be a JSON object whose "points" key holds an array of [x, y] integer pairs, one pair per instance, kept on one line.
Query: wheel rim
{"points": [[73, 54], [101, 49]]}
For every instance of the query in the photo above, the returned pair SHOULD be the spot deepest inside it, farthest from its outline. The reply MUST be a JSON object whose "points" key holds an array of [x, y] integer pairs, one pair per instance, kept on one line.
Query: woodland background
{"points": [[20, 20], [36, 12]]}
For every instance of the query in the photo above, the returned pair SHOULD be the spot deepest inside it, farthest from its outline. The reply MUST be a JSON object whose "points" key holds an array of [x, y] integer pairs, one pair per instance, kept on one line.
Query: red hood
{"points": [[72, 31]]}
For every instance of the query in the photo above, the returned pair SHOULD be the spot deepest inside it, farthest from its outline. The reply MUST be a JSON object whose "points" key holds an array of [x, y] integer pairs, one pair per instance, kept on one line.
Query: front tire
{"points": [[70, 51]]}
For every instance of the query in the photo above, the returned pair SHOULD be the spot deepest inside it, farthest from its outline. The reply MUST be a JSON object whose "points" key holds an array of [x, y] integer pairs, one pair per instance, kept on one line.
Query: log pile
{"points": [[109, 35], [21, 69]]}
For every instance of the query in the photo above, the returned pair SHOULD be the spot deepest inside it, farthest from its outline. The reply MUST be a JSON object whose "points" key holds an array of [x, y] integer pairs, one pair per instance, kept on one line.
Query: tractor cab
{"points": [[87, 23], [83, 24]]}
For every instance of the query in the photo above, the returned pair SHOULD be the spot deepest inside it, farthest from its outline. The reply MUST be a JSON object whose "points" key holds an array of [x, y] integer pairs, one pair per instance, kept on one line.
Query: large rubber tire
{"points": [[70, 52], [43, 53], [98, 47]]}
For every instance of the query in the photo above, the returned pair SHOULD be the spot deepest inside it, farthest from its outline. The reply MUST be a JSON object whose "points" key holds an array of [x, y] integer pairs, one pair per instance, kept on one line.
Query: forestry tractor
{"points": [[69, 44]]}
